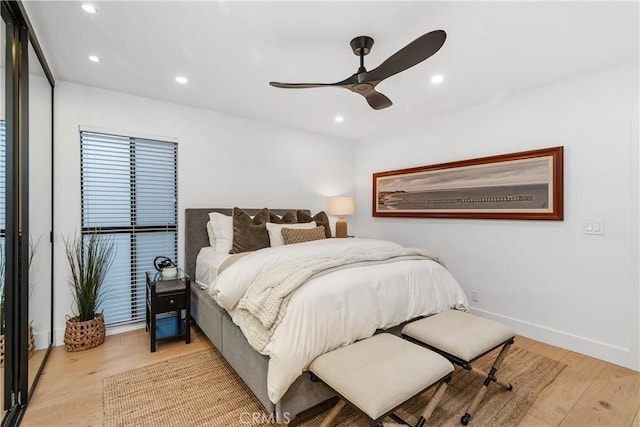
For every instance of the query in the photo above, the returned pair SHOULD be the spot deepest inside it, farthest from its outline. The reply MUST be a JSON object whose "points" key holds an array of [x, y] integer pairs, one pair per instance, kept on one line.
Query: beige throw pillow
{"points": [[291, 235]]}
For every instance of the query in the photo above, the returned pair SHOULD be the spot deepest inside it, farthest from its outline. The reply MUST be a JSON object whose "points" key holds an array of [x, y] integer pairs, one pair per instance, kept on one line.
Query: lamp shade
{"points": [[341, 206]]}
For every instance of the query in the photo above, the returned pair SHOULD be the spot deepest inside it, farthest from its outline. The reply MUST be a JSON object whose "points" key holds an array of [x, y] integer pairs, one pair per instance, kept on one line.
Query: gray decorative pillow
{"points": [[249, 234], [320, 218], [288, 218], [297, 235]]}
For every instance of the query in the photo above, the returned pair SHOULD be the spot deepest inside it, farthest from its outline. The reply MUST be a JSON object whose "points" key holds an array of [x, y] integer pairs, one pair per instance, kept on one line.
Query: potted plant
{"points": [[89, 261], [31, 344], [33, 249]]}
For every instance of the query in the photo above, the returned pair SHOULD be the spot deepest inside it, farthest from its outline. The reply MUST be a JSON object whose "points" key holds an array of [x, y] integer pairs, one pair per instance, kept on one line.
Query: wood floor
{"points": [[588, 392]]}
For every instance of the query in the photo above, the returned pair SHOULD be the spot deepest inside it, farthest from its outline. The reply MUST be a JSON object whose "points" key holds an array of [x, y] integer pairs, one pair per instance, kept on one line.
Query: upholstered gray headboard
{"points": [[195, 234]]}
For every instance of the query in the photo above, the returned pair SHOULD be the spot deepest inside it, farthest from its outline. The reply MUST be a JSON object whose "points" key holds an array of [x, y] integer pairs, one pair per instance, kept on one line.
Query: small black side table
{"points": [[168, 305]]}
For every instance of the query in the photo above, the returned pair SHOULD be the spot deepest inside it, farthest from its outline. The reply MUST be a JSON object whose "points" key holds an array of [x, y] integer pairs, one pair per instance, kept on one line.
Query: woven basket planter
{"points": [[80, 336], [32, 346], [32, 342]]}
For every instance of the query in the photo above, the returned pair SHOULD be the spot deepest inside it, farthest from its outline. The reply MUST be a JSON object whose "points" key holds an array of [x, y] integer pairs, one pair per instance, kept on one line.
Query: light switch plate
{"points": [[593, 226]]}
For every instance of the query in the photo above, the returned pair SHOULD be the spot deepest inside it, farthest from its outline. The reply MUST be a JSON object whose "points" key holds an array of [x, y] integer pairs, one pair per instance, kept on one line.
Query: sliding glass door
{"points": [[26, 221], [15, 261], [39, 334], [3, 171]]}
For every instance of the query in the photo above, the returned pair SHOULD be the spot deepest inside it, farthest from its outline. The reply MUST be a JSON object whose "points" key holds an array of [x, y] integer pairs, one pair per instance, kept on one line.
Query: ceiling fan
{"points": [[364, 82]]}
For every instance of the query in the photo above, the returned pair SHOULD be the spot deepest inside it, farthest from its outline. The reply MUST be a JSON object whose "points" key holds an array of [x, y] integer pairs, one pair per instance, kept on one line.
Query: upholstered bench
{"points": [[462, 338], [378, 374]]}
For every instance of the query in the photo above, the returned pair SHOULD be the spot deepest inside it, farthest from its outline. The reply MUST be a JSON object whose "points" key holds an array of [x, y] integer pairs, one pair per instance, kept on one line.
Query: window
{"points": [[129, 193]]}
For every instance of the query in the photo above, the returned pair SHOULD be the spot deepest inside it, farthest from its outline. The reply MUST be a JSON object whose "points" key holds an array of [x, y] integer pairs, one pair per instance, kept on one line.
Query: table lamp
{"points": [[341, 206]]}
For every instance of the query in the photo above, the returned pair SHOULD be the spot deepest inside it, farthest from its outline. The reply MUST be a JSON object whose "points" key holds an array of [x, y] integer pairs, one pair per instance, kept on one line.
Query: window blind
{"points": [[129, 192]]}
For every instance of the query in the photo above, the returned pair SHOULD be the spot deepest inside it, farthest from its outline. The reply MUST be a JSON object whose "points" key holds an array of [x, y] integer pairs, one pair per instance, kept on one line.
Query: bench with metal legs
{"points": [[378, 374], [463, 338]]}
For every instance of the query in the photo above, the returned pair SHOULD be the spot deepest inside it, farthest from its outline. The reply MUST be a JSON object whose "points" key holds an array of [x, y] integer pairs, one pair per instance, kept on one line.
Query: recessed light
{"points": [[438, 78], [89, 8], [338, 119], [94, 58], [181, 80]]}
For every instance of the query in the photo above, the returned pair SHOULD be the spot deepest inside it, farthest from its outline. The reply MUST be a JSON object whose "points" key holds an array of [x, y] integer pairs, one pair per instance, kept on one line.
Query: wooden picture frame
{"points": [[524, 185]]}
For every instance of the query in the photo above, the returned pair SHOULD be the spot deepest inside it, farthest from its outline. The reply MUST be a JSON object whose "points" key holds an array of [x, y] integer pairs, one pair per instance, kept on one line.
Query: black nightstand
{"points": [[168, 307]]}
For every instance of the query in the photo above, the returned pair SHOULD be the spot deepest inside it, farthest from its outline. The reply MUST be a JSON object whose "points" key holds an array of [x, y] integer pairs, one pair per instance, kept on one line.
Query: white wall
{"points": [[223, 161], [546, 279], [40, 126]]}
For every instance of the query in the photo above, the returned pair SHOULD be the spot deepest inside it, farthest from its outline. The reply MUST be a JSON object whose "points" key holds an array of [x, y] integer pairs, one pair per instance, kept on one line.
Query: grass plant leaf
{"points": [[90, 258]]}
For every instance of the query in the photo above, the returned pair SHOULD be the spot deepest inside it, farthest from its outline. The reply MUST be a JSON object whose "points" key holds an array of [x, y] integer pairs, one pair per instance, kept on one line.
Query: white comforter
{"points": [[338, 308]]}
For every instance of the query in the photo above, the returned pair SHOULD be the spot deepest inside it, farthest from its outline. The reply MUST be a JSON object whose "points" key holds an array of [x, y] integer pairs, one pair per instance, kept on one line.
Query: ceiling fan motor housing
{"points": [[361, 44]]}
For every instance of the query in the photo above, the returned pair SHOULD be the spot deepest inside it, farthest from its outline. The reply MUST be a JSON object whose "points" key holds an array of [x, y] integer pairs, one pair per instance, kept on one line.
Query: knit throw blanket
{"points": [[265, 302]]}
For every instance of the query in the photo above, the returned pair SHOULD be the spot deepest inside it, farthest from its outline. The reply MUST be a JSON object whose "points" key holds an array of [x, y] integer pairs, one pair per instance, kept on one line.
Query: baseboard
{"points": [[607, 352], [41, 339]]}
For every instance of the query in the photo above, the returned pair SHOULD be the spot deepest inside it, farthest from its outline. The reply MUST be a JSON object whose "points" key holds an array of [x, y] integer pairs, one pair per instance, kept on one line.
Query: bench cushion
{"points": [[460, 334], [379, 373]]}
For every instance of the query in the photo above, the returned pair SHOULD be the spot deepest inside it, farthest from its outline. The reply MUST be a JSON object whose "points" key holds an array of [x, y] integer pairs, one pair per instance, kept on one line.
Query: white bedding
{"points": [[207, 264], [338, 308]]}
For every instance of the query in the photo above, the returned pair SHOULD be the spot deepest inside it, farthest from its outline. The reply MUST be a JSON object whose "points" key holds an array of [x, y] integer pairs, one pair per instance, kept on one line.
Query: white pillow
{"points": [[211, 234], [275, 231], [222, 230]]}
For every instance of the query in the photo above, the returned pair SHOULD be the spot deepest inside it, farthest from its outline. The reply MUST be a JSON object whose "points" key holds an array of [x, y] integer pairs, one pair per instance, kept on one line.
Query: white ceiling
{"points": [[229, 51]]}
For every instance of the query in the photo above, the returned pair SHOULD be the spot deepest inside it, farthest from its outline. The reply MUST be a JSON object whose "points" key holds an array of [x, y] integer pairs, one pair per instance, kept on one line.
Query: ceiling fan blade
{"points": [[346, 83], [378, 101], [413, 53], [300, 85]]}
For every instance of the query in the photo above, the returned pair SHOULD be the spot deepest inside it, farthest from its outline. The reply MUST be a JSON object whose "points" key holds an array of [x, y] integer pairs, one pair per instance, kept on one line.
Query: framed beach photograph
{"points": [[524, 185]]}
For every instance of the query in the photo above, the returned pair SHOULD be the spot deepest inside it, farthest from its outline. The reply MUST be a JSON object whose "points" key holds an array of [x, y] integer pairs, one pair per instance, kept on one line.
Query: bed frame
{"points": [[227, 337]]}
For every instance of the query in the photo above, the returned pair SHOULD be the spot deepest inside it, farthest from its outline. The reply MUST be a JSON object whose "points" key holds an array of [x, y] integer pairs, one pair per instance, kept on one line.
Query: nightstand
{"points": [[168, 306]]}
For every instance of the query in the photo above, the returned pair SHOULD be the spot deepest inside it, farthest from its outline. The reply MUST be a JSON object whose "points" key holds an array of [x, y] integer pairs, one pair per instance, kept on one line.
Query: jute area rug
{"points": [[201, 389]]}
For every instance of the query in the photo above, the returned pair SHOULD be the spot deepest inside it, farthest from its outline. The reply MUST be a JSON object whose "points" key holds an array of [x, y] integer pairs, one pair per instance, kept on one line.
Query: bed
{"points": [[274, 372]]}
